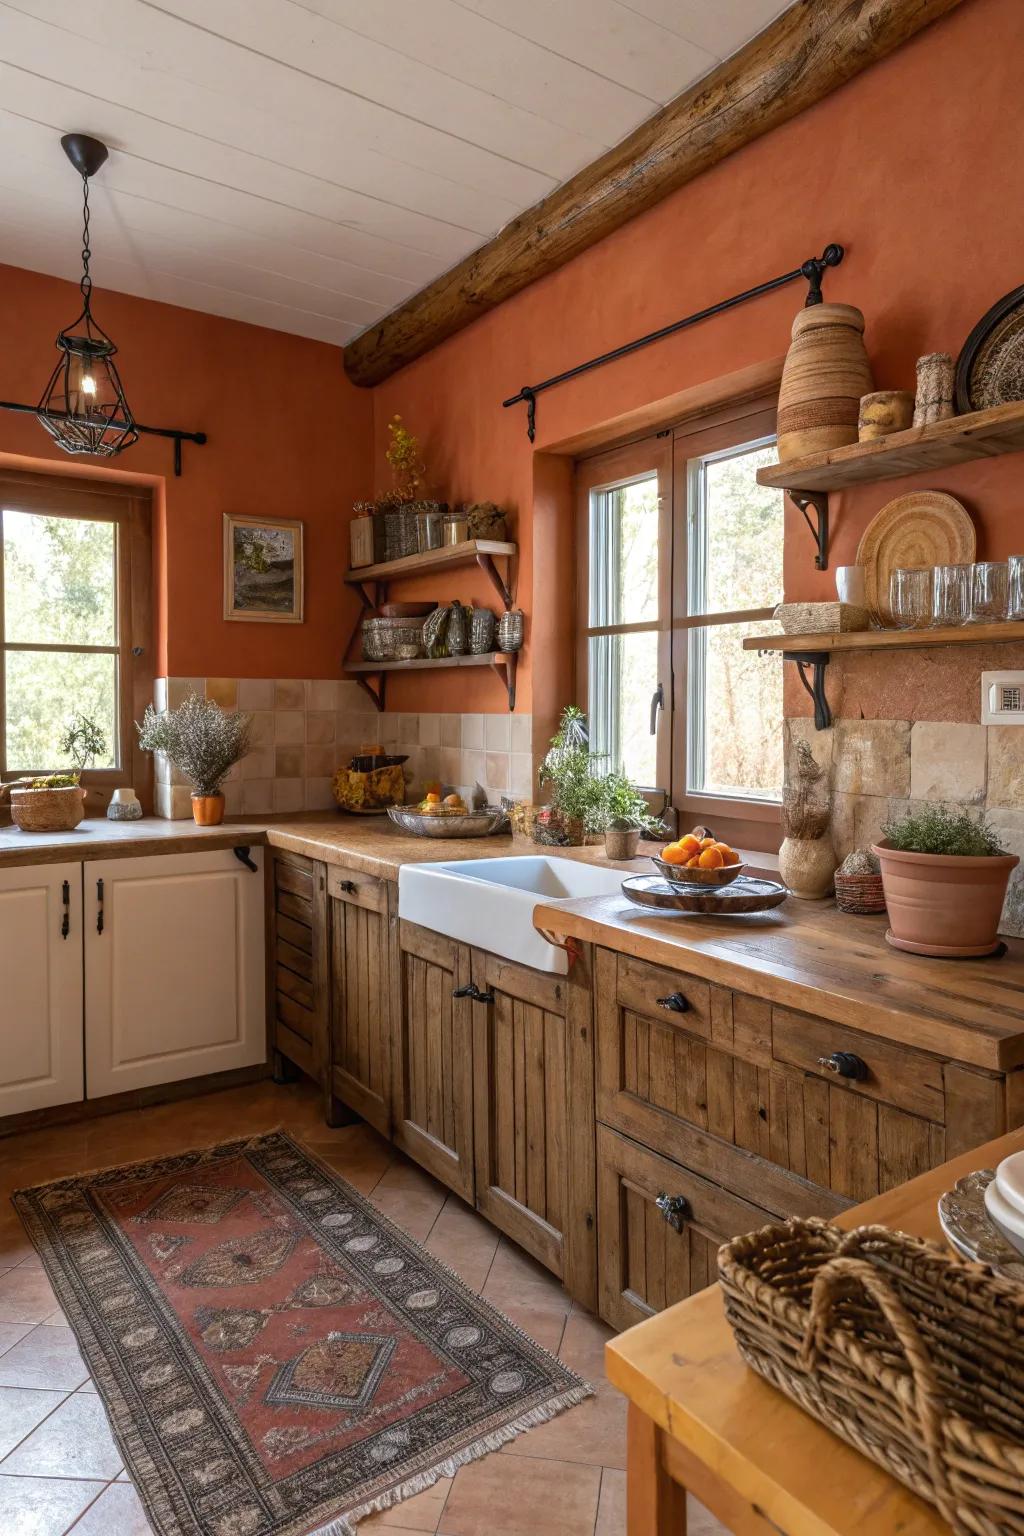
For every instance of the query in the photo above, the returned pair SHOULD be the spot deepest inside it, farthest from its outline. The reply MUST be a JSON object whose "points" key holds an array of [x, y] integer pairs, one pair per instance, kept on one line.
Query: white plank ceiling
{"points": [[308, 164]]}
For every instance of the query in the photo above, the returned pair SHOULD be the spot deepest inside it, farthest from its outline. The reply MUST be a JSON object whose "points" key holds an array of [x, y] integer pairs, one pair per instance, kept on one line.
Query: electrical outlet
{"points": [[1002, 698]]}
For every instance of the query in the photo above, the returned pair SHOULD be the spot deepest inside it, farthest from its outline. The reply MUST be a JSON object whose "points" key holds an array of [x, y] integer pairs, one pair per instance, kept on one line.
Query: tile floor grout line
{"points": [[32, 1431], [83, 1512]]}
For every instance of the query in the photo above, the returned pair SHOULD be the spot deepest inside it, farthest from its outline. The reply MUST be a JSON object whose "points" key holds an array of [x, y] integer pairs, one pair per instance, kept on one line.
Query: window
{"points": [[680, 561], [74, 582]]}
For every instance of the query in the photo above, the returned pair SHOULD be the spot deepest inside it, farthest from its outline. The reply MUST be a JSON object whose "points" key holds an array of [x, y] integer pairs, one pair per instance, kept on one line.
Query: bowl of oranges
{"points": [[698, 859]]}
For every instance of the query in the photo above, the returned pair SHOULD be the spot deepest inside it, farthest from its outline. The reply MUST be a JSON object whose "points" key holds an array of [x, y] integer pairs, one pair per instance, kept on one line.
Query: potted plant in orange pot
{"points": [[944, 874], [203, 742]]}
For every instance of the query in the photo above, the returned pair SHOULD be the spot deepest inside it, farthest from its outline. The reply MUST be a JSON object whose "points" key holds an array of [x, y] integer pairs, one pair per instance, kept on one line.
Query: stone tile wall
{"points": [[494, 751]]}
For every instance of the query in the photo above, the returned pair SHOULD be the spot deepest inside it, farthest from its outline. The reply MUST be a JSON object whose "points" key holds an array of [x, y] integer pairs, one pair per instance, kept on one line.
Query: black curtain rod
{"points": [[171, 432], [812, 270]]}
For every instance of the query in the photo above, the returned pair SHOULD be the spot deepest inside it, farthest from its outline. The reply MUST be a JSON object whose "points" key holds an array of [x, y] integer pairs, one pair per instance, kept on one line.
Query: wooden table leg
{"points": [[655, 1505]]}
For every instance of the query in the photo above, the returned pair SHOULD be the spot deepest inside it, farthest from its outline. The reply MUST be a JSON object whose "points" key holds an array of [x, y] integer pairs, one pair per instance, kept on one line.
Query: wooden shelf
{"points": [[980, 435], [433, 559], [503, 663], [890, 639]]}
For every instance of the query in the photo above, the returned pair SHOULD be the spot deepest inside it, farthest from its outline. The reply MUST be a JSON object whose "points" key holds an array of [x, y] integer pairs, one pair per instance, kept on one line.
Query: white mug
{"points": [[850, 585]]}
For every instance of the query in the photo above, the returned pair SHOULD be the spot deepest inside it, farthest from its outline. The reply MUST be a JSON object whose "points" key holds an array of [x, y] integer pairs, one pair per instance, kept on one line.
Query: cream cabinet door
{"points": [[174, 978], [40, 987]]}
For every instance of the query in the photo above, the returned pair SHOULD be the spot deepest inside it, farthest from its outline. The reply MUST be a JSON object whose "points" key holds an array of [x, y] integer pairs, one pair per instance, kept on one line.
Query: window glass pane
{"points": [[735, 725], [58, 580], [44, 691], [623, 675], [624, 554], [735, 533]]}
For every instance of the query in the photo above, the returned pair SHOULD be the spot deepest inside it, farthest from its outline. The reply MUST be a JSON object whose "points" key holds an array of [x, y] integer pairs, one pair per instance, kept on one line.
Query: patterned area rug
{"points": [[276, 1358]]}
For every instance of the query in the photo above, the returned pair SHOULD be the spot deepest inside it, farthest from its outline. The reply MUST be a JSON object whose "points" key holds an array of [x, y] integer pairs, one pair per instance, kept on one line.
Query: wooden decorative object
{"points": [[746, 894], [821, 618], [808, 52], [825, 375], [883, 412], [907, 1353], [990, 368], [934, 389], [921, 529], [361, 545]]}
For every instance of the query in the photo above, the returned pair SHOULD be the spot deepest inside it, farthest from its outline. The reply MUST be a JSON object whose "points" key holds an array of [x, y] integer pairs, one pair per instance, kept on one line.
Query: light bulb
{"points": [[82, 387]]}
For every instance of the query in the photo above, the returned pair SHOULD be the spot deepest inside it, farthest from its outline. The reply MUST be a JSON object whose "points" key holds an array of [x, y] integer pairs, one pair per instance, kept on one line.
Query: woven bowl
{"points": [[678, 874], [47, 810], [859, 894]]}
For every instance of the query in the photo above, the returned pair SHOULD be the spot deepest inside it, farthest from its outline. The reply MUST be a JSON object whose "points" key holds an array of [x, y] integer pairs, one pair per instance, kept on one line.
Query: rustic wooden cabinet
{"points": [[360, 1002], [432, 1035], [533, 1126], [298, 1003]]}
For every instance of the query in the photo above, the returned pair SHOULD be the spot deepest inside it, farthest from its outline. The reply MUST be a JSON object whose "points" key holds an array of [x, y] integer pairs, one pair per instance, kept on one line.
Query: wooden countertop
{"points": [[683, 1370], [810, 956]]}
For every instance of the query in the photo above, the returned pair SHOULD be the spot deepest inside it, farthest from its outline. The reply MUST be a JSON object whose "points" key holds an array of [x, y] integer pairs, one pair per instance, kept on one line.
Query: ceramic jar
{"points": [[458, 631], [125, 805], [807, 866], [510, 630], [826, 373]]}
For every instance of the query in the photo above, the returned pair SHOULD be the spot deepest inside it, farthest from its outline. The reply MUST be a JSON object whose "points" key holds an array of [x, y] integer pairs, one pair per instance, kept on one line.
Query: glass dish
{"points": [[1015, 587]]}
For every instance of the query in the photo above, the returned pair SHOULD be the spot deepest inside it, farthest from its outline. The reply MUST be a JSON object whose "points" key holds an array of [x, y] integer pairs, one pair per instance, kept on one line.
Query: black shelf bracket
{"points": [[818, 524], [816, 661], [505, 665], [378, 694]]}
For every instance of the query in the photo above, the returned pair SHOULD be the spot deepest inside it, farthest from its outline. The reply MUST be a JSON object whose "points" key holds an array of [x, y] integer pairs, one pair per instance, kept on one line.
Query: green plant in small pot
{"points": [[944, 874], [55, 802], [585, 800], [203, 741]]}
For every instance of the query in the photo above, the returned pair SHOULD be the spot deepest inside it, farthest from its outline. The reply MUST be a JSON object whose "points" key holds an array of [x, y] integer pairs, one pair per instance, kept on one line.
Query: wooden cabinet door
{"points": [[297, 987], [360, 997], [533, 1123], [650, 1257], [174, 979], [432, 1078], [41, 987]]}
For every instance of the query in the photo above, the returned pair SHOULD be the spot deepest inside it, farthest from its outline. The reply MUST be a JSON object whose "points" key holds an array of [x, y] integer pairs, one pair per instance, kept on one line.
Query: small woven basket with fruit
{"points": [[699, 858]]}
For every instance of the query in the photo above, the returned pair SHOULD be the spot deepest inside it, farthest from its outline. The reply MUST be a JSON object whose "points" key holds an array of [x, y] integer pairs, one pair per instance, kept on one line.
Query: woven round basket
{"points": [[859, 894], [47, 810]]}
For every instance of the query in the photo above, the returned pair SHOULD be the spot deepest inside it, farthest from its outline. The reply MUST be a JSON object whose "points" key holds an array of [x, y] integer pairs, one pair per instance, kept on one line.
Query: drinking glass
{"points": [[910, 597], [951, 594], [1015, 587], [988, 592]]}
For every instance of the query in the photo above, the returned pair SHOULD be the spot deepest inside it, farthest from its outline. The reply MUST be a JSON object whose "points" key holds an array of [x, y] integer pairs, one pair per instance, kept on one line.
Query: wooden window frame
{"points": [[129, 509]]}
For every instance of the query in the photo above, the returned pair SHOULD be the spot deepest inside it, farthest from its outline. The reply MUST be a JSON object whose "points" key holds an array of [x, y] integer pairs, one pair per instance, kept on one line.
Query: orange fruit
{"points": [[692, 863], [433, 798], [711, 858], [673, 854], [708, 842], [689, 841], [729, 855]]}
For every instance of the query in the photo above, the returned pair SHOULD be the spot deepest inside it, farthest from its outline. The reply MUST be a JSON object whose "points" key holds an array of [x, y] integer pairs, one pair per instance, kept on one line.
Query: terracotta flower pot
{"points": [[208, 810], [942, 904]]}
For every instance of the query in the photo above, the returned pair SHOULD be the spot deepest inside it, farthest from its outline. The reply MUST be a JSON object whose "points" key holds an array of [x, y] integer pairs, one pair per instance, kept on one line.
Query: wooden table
{"points": [[700, 1419]]}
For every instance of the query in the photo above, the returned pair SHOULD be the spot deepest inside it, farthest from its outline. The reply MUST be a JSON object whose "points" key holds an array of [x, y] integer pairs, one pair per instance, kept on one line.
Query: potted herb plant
{"points": [[584, 800], [203, 742], [944, 874], [56, 802]]}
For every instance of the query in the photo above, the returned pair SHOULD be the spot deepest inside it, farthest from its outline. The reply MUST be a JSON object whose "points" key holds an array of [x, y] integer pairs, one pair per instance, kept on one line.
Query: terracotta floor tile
{"points": [[73, 1442], [520, 1278], [594, 1432], [21, 1409], [582, 1347], [10, 1333], [42, 1506], [410, 1198], [420, 1513], [611, 1511], [542, 1325], [45, 1357], [464, 1241], [117, 1512], [504, 1496], [26, 1296]]}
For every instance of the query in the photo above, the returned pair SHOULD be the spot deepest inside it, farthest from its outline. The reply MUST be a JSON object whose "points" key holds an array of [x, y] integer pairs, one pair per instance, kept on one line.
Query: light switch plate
{"points": [[1002, 698]]}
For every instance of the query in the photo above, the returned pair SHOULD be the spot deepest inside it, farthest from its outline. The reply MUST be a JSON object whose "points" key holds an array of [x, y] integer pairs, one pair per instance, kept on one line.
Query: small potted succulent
{"points": [[945, 873], [203, 742]]}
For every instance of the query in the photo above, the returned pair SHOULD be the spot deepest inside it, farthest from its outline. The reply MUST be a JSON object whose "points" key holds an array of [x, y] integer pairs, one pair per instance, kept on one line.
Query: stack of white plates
{"points": [[1004, 1200]]}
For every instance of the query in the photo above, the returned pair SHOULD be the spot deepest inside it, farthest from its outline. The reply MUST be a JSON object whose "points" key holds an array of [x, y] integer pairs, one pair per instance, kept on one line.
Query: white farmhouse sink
{"points": [[489, 902]]}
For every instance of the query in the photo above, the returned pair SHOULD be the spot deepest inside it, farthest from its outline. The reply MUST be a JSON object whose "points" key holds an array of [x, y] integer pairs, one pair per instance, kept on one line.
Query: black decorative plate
{"points": [[745, 894], [990, 368]]}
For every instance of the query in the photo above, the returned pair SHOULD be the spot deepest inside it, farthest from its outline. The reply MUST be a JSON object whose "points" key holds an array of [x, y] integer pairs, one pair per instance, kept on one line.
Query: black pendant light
{"points": [[83, 406]]}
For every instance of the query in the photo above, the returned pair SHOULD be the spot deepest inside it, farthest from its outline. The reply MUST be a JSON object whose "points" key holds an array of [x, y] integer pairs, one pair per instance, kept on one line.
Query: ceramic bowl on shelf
{"points": [[1007, 1220], [1010, 1180], [679, 874]]}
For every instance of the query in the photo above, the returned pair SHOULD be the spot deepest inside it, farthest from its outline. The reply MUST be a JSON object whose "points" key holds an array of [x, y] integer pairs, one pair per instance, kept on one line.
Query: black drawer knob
{"points": [[348, 886], [675, 1209], [845, 1064], [675, 1003], [472, 991]]}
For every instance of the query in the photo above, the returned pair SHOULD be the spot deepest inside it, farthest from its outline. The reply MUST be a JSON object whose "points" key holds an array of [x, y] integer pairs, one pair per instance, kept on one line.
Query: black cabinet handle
{"points": [[675, 1209], [471, 990], [99, 906], [348, 886], [243, 856], [65, 926], [675, 1003], [845, 1064]]}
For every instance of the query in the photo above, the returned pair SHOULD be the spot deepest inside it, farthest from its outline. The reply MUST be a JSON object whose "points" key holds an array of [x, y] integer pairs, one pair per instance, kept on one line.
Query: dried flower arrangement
{"points": [[202, 740], [807, 798]]}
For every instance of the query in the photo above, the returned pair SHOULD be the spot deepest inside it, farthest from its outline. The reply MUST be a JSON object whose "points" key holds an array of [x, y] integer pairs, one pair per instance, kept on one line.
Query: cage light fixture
{"points": [[84, 408]]}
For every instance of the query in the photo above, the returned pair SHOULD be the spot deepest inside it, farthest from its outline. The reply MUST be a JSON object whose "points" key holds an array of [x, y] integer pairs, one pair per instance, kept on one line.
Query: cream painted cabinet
{"points": [[40, 987], [174, 969]]}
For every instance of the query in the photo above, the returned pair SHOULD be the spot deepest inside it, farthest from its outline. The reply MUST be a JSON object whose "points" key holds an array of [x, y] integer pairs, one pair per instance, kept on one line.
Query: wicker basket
{"points": [[912, 1355], [47, 810], [859, 894], [382, 637]]}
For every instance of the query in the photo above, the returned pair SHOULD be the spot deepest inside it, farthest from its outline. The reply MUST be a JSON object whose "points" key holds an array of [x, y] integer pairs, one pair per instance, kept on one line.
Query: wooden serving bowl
{"points": [[678, 874]]}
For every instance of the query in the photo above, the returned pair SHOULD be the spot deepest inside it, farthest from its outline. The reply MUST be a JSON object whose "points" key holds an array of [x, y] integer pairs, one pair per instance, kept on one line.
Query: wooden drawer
{"points": [[894, 1074], [647, 989], [646, 1260], [353, 886]]}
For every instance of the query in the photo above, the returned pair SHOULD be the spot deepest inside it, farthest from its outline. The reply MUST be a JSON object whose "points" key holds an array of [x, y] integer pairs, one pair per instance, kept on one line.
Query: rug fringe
{"points": [[345, 1525], [225, 1148]]}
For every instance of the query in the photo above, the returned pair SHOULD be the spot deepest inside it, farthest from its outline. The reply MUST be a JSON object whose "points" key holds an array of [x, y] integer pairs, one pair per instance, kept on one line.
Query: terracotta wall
{"points": [[913, 167], [289, 436]]}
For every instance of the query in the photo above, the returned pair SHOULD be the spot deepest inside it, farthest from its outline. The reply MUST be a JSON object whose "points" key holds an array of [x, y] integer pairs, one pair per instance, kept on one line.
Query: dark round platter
{"points": [[745, 894]]}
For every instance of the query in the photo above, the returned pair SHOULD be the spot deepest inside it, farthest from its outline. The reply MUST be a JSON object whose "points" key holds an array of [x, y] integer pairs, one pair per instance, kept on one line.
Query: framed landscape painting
{"points": [[263, 575]]}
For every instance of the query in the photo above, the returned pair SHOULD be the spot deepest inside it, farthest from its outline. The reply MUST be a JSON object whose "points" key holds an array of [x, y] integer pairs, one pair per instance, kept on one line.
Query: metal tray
{"points": [[492, 819], [745, 894]]}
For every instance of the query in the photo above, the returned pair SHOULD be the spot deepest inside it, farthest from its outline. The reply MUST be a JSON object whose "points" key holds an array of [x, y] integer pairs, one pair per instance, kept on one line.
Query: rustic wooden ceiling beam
{"points": [[808, 52]]}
